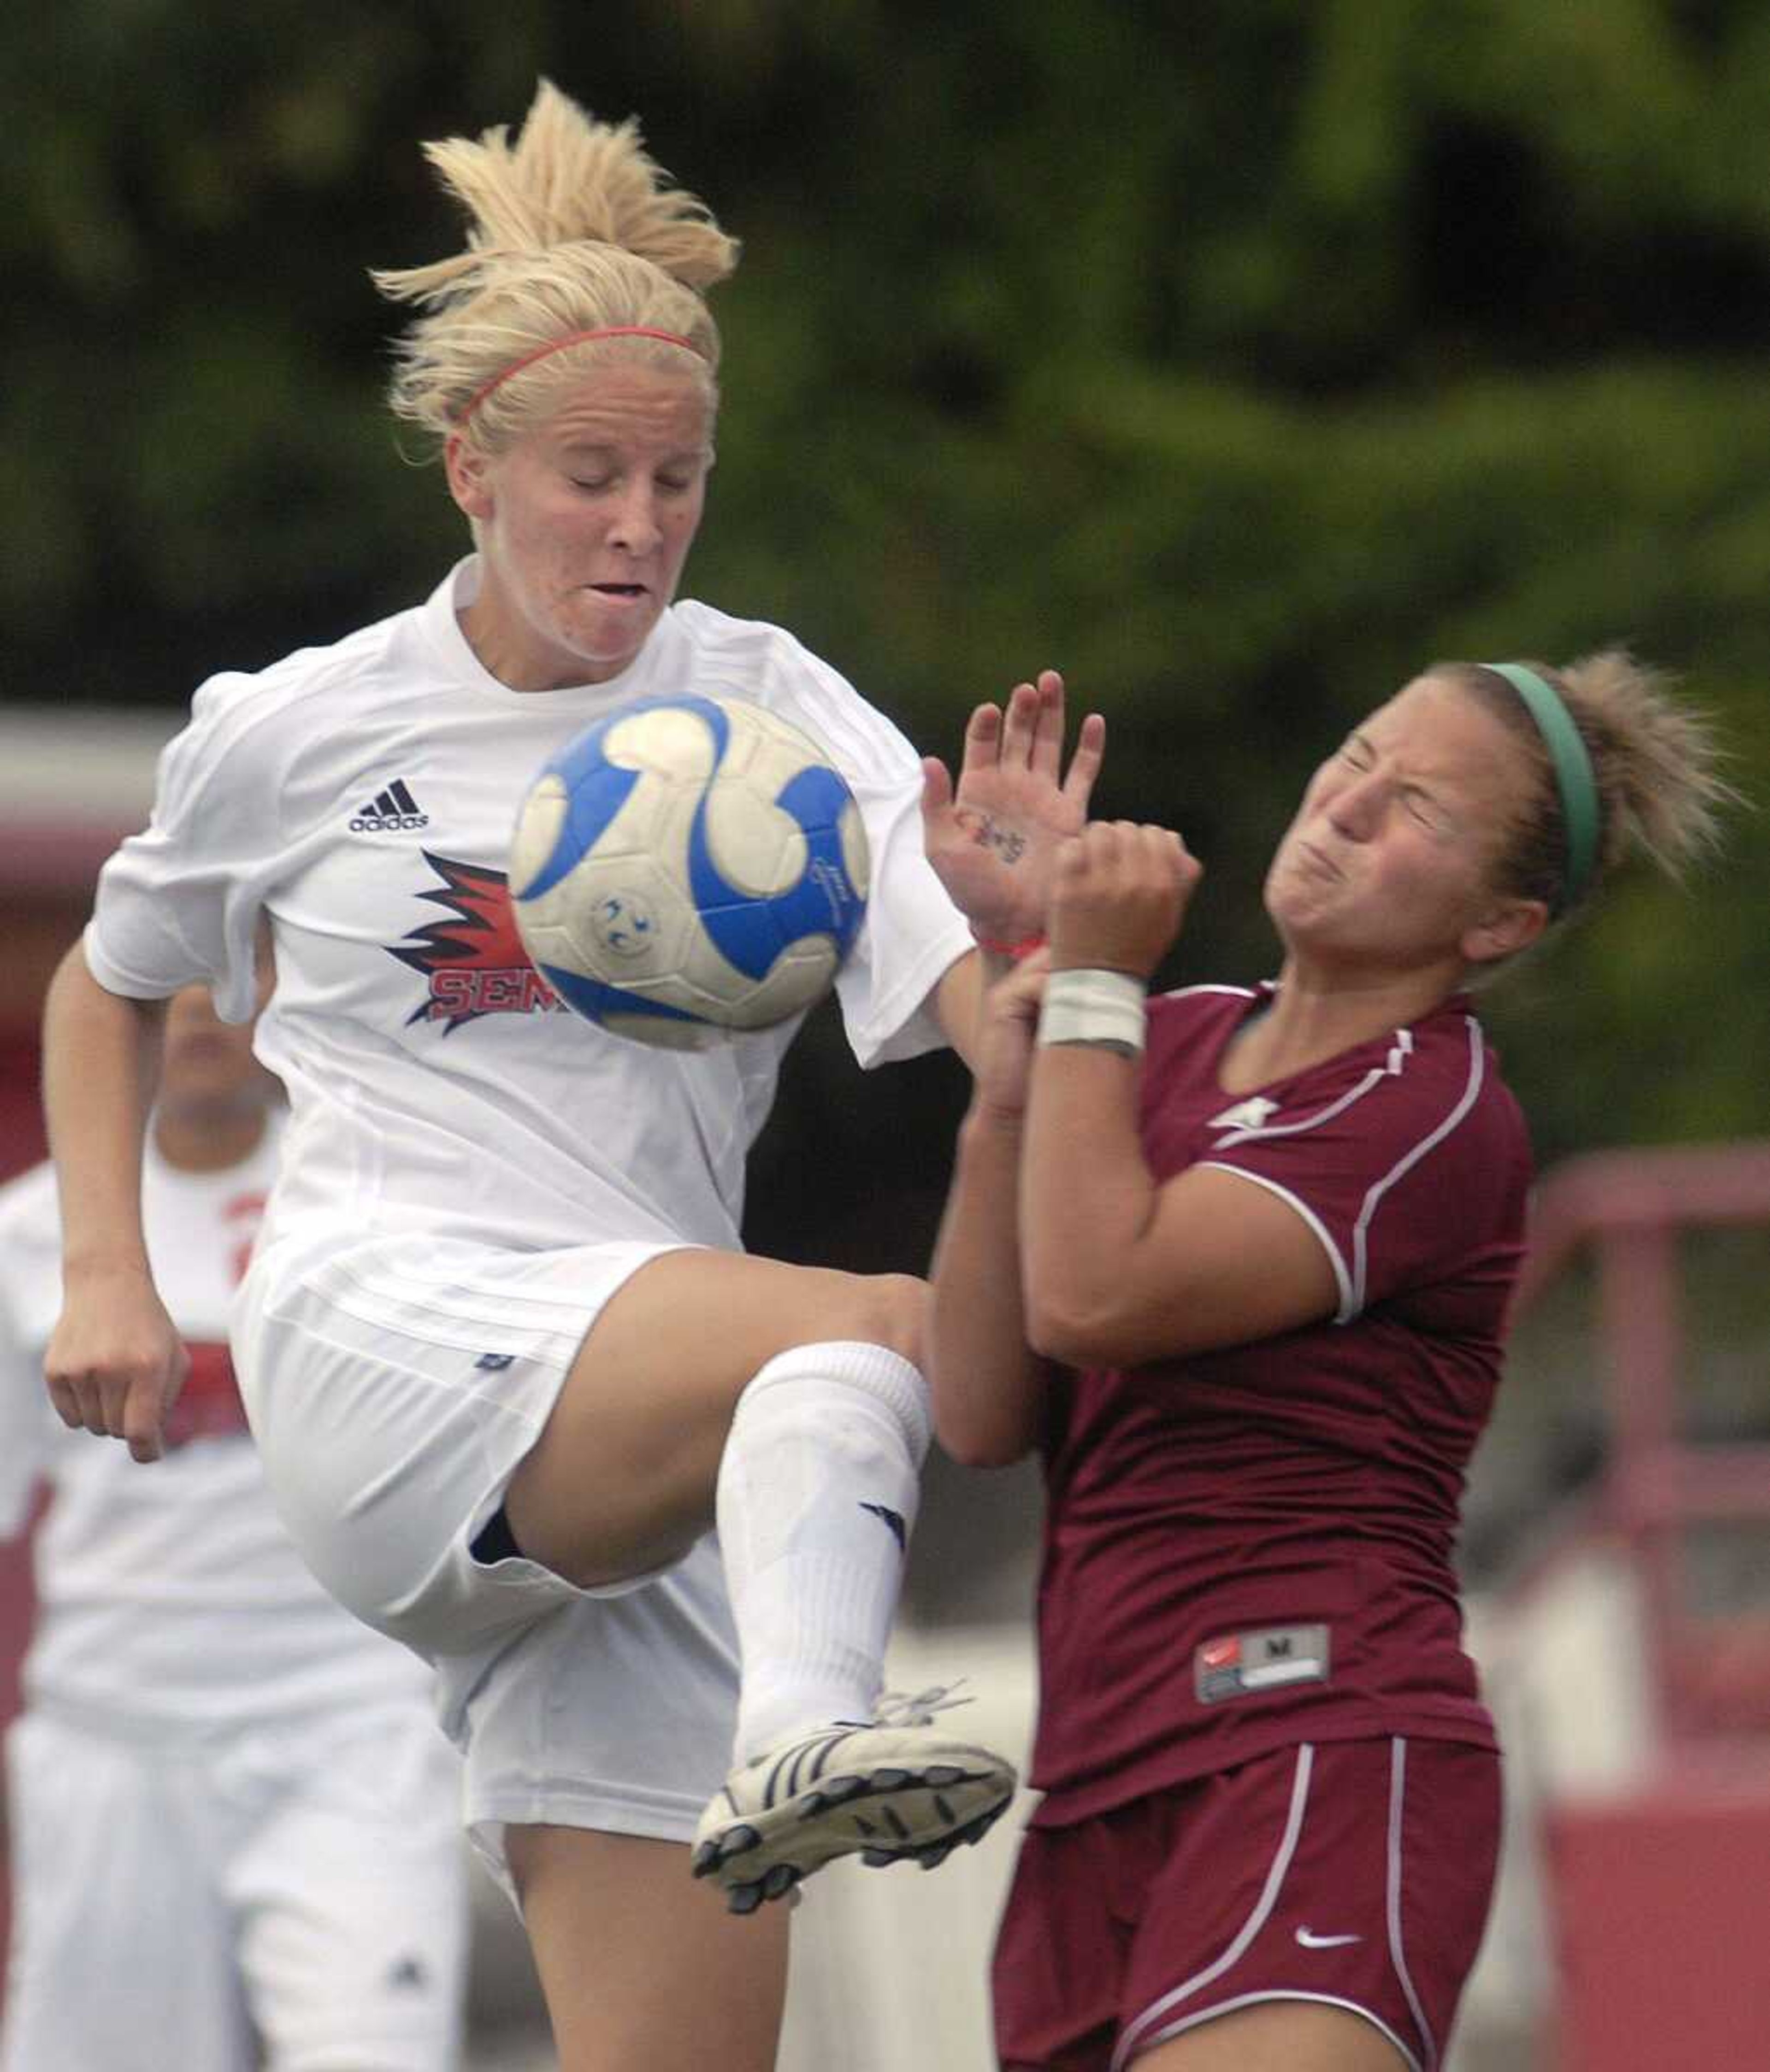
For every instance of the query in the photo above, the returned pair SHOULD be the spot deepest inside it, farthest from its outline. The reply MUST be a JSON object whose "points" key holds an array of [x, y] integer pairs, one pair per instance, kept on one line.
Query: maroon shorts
{"points": [[1358, 1873]]}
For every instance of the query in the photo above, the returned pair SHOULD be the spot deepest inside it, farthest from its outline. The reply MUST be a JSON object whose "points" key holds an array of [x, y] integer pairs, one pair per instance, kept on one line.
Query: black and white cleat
{"points": [[897, 1789]]}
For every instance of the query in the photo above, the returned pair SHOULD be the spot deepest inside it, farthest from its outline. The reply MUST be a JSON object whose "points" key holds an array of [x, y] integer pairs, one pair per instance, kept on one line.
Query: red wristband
{"points": [[1015, 951]]}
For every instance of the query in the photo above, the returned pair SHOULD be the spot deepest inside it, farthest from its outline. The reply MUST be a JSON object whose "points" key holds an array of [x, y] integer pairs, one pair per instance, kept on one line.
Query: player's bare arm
{"points": [[1118, 1269], [1212, 1260], [987, 1384], [115, 1362]]}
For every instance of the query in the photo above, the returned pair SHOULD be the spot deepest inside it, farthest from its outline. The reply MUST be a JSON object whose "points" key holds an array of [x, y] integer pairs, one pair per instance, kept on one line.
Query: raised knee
{"points": [[897, 1304]]}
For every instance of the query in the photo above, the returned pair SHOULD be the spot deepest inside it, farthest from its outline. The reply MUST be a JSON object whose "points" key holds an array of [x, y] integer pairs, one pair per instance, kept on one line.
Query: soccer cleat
{"points": [[895, 1789]]}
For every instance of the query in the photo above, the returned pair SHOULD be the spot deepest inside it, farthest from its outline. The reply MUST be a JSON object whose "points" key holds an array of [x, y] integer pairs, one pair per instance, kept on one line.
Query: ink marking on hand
{"points": [[1009, 845]]}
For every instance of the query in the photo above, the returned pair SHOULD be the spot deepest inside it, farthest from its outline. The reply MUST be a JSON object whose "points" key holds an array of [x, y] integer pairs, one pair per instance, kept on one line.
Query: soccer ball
{"points": [[687, 867]]}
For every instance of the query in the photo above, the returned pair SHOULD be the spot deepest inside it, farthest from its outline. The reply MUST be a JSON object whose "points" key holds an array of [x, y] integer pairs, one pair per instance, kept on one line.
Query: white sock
{"points": [[817, 1493]]}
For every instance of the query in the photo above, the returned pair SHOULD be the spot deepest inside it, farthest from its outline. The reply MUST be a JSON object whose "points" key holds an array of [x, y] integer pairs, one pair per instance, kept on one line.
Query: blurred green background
{"points": [[1237, 356]]}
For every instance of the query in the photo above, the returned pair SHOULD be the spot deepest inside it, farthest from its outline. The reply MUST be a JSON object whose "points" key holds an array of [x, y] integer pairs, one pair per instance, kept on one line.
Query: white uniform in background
{"points": [[229, 1805], [472, 1170]]}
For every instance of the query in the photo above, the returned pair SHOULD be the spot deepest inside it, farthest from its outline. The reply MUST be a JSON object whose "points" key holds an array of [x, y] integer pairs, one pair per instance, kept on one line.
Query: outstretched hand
{"points": [[992, 838]]}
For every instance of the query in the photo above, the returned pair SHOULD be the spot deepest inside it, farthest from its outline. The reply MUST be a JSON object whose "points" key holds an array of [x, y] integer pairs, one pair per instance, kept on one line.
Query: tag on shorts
{"points": [[1241, 1665]]}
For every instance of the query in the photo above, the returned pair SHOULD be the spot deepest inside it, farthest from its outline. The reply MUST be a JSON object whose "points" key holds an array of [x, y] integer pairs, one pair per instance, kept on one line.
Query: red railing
{"points": [[1709, 1676]]}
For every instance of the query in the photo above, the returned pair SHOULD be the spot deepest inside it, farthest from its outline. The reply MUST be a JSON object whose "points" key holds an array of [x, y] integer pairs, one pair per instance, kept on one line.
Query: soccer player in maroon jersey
{"points": [[1237, 1261]]}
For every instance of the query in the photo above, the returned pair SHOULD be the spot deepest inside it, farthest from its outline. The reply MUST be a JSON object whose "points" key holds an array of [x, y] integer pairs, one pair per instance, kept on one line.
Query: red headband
{"points": [[559, 345]]}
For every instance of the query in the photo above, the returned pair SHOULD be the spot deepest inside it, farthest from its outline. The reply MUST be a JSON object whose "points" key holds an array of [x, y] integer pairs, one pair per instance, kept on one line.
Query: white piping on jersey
{"points": [[1342, 1279], [1374, 1077], [1169, 2030], [1397, 1793], [1472, 1088], [1351, 1280], [1134, 2037]]}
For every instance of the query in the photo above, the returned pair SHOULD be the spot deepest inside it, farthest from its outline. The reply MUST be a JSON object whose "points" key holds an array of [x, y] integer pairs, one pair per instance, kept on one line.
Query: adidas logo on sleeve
{"points": [[390, 811]]}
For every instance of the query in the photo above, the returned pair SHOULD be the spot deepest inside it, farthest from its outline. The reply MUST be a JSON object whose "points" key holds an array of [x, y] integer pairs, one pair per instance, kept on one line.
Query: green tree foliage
{"points": [[1239, 357]]}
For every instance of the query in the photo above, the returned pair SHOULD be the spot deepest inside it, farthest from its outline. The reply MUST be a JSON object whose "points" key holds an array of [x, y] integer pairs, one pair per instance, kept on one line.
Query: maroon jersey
{"points": [[1252, 1547]]}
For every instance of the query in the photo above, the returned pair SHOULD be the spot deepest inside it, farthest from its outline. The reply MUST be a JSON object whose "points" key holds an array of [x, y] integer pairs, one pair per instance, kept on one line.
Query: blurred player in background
{"points": [[1262, 1240], [502, 1353], [231, 1816]]}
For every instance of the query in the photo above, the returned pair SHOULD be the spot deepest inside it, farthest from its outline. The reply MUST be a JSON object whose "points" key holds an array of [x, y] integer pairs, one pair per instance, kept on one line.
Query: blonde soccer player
{"points": [[504, 1356]]}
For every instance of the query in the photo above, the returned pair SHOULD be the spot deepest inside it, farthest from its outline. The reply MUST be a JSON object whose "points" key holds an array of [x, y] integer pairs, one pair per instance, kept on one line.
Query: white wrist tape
{"points": [[1100, 1007]]}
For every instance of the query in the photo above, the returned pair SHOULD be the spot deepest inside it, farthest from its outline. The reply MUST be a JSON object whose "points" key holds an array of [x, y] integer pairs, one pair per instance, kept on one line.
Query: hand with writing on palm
{"points": [[992, 838]]}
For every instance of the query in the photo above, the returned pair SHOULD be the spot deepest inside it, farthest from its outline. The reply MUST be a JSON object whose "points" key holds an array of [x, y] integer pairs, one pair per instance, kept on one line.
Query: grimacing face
{"points": [[584, 523], [1389, 862]]}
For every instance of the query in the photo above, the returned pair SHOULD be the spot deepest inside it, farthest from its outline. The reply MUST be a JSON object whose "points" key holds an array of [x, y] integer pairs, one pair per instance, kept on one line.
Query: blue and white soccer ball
{"points": [[688, 866]]}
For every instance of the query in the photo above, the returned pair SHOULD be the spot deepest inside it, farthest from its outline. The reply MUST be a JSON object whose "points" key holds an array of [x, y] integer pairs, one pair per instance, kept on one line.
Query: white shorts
{"points": [[393, 1391], [174, 1897]]}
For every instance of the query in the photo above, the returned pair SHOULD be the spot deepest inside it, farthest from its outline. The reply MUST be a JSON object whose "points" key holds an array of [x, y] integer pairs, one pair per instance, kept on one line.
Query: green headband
{"points": [[1573, 778]]}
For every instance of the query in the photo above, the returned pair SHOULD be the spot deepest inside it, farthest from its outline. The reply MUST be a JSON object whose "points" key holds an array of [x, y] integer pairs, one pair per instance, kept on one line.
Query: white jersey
{"points": [[170, 1597], [364, 795]]}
